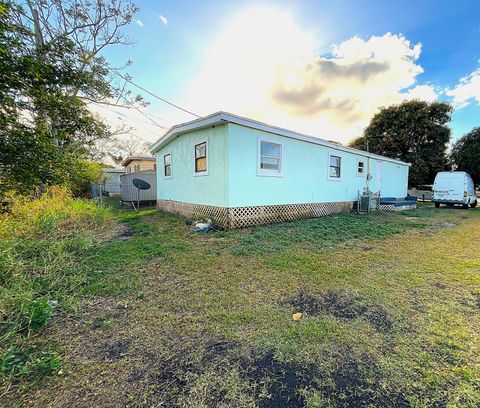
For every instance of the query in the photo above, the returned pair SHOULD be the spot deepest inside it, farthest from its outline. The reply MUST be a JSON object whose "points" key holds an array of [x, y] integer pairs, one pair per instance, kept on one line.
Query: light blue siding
{"points": [[184, 185], [233, 178], [304, 176]]}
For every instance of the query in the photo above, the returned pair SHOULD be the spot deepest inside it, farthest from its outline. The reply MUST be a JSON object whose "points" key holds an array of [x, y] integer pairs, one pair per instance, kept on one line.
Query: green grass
{"points": [[156, 315]]}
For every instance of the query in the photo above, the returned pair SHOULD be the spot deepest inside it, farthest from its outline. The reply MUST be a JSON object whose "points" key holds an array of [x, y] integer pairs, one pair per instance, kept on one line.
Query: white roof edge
{"points": [[226, 117]]}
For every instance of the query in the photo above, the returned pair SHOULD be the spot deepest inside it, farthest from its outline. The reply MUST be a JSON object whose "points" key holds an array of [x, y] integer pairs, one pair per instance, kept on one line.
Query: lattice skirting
{"points": [[391, 207], [238, 217]]}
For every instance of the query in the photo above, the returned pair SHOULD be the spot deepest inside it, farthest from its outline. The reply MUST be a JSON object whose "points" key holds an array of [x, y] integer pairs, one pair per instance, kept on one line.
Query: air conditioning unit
{"points": [[368, 201]]}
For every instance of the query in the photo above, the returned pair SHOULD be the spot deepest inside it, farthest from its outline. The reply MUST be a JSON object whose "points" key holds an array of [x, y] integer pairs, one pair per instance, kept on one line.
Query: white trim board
{"points": [[224, 117]]}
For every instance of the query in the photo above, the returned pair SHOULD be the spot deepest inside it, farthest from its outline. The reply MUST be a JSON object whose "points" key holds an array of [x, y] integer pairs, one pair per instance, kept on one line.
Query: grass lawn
{"points": [[389, 303]]}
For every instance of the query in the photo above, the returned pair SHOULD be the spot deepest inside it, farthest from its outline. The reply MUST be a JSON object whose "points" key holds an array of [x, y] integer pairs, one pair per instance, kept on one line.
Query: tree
{"points": [[50, 66], [414, 131], [465, 154]]}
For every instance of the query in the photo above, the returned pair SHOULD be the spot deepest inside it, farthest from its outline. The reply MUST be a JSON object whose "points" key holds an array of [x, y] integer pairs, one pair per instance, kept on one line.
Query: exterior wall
{"points": [[233, 194], [144, 165], [184, 185], [394, 180], [304, 178]]}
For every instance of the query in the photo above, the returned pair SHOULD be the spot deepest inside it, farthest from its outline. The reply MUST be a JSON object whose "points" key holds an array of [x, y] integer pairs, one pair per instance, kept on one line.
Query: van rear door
{"points": [[450, 186]]}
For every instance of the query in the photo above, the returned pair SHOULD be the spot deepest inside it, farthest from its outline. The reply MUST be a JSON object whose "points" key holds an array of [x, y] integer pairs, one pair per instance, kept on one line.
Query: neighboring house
{"points": [[111, 180], [134, 164], [109, 183], [242, 172]]}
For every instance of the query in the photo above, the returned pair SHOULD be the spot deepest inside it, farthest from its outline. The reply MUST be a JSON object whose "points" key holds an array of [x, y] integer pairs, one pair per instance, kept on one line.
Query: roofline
{"points": [[225, 117], [112, 169], [140, 158]]}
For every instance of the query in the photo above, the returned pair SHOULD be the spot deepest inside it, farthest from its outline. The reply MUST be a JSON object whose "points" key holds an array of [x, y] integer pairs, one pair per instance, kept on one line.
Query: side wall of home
{"points": [[184, 185], [304, 175]]}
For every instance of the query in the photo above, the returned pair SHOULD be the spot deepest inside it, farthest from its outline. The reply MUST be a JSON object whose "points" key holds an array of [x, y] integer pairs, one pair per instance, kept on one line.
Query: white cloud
{"points": [[467, 90], [423, 92], [163, 19], [139, 22], [263, 64]]}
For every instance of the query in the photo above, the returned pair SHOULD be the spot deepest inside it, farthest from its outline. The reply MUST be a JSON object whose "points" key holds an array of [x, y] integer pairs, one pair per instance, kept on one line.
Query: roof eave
{"points": [[223, 117]]}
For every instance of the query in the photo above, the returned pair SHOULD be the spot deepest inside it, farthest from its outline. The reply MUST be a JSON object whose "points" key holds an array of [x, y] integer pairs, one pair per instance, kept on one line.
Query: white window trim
{"points": [[201, 173], [364, 168], [330, 154], [163, 165], [265, 172]]}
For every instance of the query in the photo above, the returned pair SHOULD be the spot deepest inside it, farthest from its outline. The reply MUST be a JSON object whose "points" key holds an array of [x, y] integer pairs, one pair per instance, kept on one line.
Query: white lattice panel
{"points": [[391, 207], [239, 217]]}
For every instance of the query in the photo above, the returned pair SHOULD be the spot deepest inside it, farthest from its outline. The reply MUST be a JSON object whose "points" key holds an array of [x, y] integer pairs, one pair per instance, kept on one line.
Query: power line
{"points": [[136, 108], [127, 131], [151, 93]]}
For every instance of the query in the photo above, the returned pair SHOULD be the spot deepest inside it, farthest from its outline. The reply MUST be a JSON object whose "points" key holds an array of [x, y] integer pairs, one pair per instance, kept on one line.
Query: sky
{"points": [[322, 68]]}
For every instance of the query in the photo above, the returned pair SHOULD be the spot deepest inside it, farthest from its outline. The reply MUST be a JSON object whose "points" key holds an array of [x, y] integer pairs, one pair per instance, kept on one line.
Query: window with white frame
{"points": [[270, 158], [335, 168], [167, 165], [201, 158], [360, 168]]}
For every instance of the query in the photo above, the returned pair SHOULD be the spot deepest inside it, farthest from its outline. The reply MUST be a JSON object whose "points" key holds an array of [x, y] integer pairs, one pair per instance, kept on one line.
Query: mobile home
{"points": [[242, 172]]}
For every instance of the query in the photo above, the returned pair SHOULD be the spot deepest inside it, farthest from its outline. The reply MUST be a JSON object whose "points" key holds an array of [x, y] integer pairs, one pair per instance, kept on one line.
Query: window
{"points": [[201, 158], [154, 166], [335, 167], [136, 168], [167, 165], [360, 168], [270, 162]]}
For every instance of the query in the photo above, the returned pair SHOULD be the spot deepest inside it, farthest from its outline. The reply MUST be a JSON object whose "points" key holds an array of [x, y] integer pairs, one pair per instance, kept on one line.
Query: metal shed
{"points": [[129, 193]]}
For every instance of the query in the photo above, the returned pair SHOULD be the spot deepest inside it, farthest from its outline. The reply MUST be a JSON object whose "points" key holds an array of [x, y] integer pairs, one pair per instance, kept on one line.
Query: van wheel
{"points": [[437, 205], [474, 204], [465, 206]]}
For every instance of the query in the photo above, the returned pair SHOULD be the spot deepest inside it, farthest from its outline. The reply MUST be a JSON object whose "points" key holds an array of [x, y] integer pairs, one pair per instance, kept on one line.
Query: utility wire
{"points": [[151, 93], [134, 107], [127, 131]]}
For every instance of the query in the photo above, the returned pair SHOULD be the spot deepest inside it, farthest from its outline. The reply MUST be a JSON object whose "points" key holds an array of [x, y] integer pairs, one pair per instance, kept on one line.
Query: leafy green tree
{"points": [[50, 67], [414, 131], [465, 154]]}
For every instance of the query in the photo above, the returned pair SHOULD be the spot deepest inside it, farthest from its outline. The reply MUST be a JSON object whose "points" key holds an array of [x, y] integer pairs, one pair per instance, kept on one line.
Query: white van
{"points": [[454, 187]]}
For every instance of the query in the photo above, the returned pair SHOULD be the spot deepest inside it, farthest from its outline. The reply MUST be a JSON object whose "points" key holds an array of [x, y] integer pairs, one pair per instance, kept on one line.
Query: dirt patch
{"points": [[476, 297], [277, 383], [341, 304], [448, 225], [126, 232], [117, 350], [347, 380], [365, 248]]}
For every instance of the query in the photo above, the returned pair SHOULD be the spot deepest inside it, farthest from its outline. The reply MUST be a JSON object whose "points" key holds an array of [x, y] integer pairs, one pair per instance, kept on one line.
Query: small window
{"points": [[201, 158], [167, 165], [360, 168], [270, 157], [335, 166], [154, 166]]}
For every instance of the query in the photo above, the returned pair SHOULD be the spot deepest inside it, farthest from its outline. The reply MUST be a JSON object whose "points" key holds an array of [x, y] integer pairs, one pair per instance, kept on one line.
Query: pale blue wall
{"points": [[233, 179], [305, 173], [184, 186]]}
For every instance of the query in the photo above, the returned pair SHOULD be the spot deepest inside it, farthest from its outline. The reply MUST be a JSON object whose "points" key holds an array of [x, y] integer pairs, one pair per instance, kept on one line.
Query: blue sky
{"points": [[320, 67]]}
